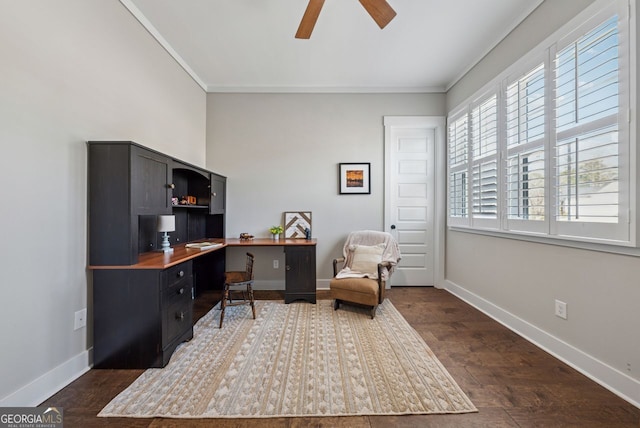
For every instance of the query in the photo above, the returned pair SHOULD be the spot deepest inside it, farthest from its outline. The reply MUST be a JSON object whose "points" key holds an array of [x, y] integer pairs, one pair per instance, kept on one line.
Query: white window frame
{"points": [[516, 224], [622, 233]]}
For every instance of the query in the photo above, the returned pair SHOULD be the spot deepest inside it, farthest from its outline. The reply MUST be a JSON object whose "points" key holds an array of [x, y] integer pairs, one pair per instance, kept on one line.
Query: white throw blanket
{"points": [[391, 253]]}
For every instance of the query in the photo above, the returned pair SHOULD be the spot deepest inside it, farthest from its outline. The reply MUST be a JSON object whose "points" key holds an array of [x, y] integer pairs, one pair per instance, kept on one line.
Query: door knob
{"points": [[393, 226]]}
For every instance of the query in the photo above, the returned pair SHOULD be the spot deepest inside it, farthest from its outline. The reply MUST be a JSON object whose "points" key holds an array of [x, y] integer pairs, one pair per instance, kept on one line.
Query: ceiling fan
{"points": [[379, 10]]}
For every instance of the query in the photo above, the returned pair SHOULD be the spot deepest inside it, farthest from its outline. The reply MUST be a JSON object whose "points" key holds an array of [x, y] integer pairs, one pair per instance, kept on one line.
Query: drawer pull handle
{"points": [[287, 267], [171, 186], [181, 291], [180, 274], [180, 316]]}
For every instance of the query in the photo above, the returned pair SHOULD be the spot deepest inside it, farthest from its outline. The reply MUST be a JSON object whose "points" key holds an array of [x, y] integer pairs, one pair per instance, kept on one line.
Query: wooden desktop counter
{"points": [[143, 311], [181, 253], [300, 261]]}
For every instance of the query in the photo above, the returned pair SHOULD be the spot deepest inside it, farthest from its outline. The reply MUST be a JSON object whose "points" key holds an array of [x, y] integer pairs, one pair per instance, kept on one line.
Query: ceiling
{"points": [[249, 45]]}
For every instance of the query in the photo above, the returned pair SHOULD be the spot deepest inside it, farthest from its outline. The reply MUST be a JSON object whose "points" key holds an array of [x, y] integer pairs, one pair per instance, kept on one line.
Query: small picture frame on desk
{"points": [[297, 224], [355, 178]]}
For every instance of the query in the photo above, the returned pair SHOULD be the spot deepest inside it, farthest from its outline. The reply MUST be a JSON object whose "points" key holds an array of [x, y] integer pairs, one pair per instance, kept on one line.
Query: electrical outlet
{"points": [[276, 264], [561, 309], [80, 319]]}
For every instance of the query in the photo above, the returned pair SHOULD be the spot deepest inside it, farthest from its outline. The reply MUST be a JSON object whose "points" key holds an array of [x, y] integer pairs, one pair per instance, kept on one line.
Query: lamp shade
{"points": [[166, 223]]}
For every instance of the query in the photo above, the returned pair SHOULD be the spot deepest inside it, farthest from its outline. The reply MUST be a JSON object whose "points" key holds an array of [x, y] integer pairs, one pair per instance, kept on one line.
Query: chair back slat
{"points": [[249, 270]]}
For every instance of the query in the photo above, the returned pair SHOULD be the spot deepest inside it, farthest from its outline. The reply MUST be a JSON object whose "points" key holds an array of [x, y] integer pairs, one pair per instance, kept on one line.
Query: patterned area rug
{"points": [[298, 359]]}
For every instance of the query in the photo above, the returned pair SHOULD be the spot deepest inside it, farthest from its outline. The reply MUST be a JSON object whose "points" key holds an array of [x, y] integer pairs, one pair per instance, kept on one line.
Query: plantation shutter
{"points": [[458, 165], [484, 176], [525, 144]]}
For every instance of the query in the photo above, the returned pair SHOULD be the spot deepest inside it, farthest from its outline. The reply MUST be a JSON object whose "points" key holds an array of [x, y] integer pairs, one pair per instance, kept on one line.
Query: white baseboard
{"points": [[38, 390], [321, 284], [614, 380], [268, 285]]}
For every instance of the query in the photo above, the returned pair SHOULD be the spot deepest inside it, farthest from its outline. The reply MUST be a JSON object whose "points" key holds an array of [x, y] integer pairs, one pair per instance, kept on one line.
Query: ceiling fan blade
{"points": [[380, 11], [309, 19]]}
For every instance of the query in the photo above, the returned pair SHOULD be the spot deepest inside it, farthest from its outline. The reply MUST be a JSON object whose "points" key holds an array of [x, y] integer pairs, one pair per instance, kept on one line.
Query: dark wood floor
{"points": [[511, 382]]}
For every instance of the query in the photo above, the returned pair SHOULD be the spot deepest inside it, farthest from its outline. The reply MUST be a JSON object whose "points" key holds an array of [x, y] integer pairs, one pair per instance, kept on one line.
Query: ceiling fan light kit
{"points": [[381, 12]]}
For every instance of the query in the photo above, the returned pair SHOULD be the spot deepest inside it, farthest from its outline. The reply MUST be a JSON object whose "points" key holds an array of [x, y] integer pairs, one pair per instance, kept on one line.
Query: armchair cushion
{"points": [[365, 259], [362, 290]]}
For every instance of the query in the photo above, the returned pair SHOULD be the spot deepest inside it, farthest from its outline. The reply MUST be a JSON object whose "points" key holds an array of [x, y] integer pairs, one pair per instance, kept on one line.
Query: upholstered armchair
{"points": [[360, 276]]}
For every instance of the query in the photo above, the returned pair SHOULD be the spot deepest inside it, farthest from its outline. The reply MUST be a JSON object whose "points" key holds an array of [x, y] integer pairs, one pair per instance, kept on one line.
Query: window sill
{"points": [[614, 247]]}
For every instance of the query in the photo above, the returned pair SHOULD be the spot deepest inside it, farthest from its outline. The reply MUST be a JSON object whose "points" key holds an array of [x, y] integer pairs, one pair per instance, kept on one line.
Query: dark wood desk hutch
{"points": [[141, 313]]}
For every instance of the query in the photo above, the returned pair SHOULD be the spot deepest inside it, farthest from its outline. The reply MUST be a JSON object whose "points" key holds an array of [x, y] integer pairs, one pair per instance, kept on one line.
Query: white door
{"points": [[410, 197]]}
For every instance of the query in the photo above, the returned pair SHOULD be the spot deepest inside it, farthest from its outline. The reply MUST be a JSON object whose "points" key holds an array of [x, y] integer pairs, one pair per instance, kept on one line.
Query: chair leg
{"points": [[336, 304], [373, 311], [251, 300], [223, 303]]}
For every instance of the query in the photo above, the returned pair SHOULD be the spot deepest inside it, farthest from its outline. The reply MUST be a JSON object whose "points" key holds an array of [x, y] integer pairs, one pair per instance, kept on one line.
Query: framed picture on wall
{"points": [[296, 224], [355, 178]]}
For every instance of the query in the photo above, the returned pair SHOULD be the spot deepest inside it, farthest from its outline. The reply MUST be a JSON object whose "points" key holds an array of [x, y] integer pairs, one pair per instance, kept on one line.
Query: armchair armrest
{"points": [[382, 284], [335, 265], [381, 268]]}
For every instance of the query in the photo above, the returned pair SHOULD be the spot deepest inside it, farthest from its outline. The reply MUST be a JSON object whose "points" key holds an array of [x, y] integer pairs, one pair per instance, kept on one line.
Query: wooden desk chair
{"points": [[239, 283]]}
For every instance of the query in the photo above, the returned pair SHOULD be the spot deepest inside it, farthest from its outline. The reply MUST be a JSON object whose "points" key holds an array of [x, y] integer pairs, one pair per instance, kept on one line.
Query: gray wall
{"points": [[71, 71], [281, 153], [520, 280]]}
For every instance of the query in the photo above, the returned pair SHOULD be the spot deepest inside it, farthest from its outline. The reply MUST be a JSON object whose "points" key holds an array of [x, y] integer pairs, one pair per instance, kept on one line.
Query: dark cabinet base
{"points": [[292, 297], [300, 276], [140, 315]]}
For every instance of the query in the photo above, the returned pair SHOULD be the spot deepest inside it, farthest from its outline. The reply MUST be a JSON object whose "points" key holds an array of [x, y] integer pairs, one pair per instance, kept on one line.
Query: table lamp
{"points": [[166, 223]]}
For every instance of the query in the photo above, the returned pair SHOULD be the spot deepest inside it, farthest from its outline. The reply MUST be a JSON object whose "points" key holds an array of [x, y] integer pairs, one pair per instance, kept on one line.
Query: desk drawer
{"points": [[176, 276], [178, 318], [179, 290]]}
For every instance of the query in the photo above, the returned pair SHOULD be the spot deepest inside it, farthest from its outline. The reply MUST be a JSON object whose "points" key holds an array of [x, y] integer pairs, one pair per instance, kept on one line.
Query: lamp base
{"points": [[165, 244]]}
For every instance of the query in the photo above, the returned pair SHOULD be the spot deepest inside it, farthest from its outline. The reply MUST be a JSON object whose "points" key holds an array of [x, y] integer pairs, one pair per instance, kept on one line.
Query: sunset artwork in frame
{"points": [[355, 178]]}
